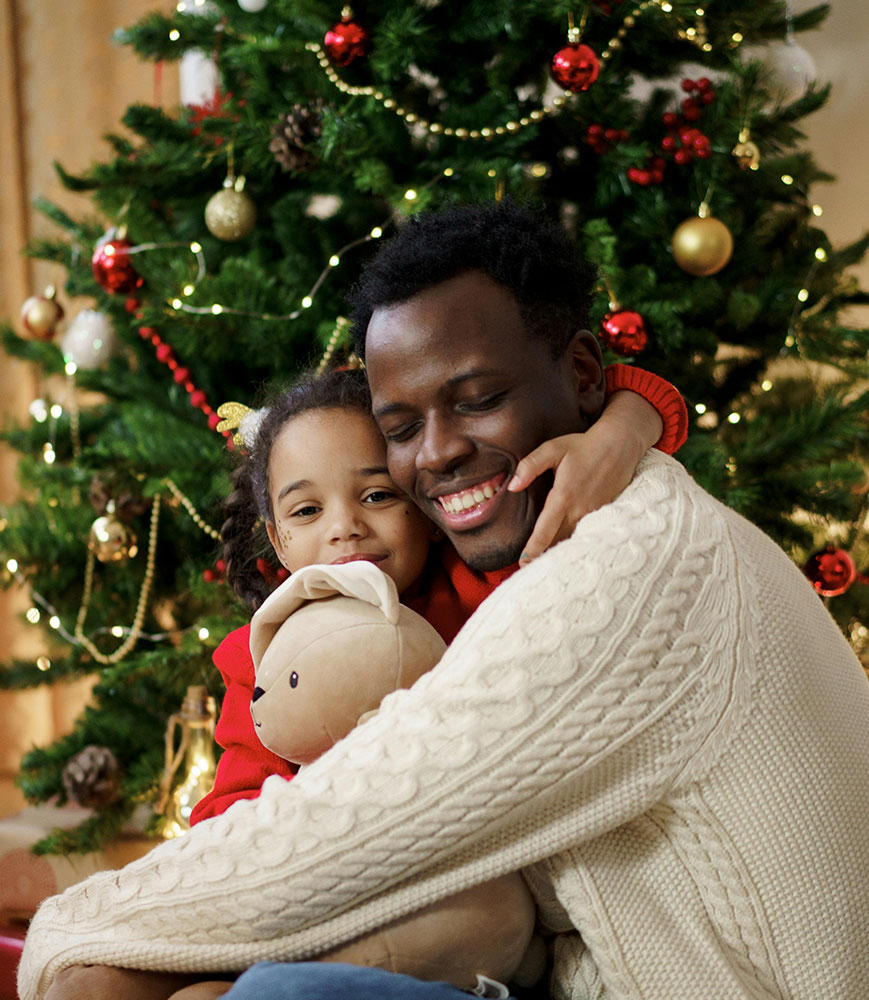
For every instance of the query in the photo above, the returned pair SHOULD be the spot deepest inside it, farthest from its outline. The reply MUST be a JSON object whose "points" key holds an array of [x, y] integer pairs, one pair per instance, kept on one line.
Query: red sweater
{"points": [[446, 596]]}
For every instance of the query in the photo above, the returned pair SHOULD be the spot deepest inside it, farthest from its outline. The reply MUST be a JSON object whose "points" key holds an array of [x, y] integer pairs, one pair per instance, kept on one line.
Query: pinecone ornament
{"points": [[294, 132], [92, 777]]}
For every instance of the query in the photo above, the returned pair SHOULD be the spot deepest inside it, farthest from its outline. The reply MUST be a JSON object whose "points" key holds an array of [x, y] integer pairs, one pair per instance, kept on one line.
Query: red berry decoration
{"points": [[624, 332], [112, 267], [346, 41], [832, 571], [575, 67]]}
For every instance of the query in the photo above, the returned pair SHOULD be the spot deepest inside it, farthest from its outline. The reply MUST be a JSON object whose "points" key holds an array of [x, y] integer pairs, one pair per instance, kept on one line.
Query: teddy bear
{"points": [[328, 645]]}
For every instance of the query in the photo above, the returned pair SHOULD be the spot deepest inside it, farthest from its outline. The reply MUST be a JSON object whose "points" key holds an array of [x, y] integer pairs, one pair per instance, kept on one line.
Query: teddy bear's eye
{"points": [[294, 679], [258, 692]]}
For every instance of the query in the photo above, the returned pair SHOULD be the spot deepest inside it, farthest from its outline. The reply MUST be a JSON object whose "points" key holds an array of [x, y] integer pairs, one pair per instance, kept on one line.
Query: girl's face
{"points": [[333, 500]]}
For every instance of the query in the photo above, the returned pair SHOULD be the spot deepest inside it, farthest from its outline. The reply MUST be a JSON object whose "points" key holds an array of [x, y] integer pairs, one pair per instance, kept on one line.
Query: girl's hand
{"points": [[591, 469]]}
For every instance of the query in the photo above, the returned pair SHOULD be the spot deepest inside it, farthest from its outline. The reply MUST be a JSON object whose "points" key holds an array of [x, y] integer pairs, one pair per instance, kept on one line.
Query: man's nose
{"points": [[442, 446]]}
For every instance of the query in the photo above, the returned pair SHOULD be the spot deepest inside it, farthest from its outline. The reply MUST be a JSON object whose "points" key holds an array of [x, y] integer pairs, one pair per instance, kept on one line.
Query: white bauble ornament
{"points": [[791, 68], [89, 340], [252, 6]]}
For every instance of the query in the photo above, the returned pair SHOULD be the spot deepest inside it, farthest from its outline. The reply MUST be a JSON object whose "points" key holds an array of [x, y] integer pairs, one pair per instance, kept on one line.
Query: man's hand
{"points": [[591, 469]]}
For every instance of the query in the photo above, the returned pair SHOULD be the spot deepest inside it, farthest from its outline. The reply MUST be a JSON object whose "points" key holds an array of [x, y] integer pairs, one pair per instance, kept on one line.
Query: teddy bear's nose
{"points": [[258, 693]]}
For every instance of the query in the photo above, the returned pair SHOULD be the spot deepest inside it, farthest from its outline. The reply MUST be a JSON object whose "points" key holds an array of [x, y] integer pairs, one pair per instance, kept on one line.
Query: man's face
{"points": [[462, 393]]}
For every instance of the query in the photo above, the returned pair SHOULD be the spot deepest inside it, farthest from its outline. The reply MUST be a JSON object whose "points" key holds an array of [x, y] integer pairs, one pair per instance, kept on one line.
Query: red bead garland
{"points": [[181, 375]]}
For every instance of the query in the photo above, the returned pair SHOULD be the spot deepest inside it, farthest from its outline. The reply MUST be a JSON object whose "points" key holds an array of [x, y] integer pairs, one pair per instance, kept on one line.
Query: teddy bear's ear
{"points": [[362, 580]]}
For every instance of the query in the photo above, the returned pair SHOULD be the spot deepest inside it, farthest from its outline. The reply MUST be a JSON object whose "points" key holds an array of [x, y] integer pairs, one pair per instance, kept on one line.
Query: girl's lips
{"points": [[359, 557]]}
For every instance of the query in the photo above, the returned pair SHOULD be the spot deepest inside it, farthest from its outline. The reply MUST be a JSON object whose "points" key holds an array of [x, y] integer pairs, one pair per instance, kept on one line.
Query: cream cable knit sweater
{"points": [[658, 718]]}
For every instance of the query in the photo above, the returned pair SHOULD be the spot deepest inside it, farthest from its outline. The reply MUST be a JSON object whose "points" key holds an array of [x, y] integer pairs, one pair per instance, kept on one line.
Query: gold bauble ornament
{"points": [[231, 214], [702, 245], [110, 539], [40, 314]]}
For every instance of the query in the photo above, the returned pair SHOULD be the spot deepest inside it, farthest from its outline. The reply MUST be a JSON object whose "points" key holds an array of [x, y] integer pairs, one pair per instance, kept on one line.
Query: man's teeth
{"points": [[457, 502]]}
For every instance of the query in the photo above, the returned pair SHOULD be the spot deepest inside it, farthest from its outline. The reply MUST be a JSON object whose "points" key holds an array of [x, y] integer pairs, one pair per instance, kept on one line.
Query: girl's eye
{"points": [[380, 496], [307, 511]]}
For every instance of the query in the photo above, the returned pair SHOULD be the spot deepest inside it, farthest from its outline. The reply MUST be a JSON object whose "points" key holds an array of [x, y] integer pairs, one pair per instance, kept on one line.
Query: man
{"points": [[657, 720]]}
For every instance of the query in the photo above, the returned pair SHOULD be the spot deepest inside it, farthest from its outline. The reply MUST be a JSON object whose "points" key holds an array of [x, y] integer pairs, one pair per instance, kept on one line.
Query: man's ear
{"points": [[586, 369], [274, 538]]}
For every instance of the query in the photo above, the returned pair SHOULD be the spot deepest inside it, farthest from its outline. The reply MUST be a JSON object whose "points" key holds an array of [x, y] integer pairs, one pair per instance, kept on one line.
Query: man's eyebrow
{"points": [[451, 383]]}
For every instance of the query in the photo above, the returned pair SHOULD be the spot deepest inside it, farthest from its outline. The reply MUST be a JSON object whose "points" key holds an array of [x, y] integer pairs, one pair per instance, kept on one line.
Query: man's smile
{"points": [[472, 505]]}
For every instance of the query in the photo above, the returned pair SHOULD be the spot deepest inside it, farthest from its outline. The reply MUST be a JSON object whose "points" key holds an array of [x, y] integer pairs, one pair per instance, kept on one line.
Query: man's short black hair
{"points": [[519, 247]]}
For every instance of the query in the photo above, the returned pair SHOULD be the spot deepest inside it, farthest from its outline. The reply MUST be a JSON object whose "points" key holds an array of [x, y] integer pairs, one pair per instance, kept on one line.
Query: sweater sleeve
{"points": [[576, 696], [245, 763], [665, 397]]}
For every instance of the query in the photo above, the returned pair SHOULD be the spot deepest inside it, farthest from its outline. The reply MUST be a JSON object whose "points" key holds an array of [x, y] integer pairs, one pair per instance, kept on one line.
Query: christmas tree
{"points": [[217, 245]]}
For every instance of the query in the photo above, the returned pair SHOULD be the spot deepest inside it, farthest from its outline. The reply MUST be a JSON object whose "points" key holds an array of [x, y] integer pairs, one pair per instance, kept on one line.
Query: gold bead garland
{"points": [[484, 132], [139, 617], [195, 516]]}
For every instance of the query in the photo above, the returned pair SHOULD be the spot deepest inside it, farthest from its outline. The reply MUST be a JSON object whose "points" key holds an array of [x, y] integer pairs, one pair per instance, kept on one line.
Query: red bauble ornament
{"points": [[112, 266], [624, 331], [832, 571], [345, 42], [575, 67]]}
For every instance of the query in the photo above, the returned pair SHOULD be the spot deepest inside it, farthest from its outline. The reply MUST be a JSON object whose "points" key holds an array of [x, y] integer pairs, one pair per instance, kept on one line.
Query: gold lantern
{"points": [[193, 760]]}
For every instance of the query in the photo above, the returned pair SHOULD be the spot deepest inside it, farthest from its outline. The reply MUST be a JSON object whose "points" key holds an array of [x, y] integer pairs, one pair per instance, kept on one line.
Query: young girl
{"points": [[316, 476]]}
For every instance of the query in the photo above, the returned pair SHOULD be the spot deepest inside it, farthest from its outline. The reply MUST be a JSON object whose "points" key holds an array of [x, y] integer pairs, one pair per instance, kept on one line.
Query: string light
{"points": [[43, 663], [733, 418], [33, 615], [203, 633], [700, 408]]}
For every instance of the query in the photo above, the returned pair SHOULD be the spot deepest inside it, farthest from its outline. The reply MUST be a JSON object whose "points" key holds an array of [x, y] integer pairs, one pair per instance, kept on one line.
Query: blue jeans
{"points": [[334, 981]]}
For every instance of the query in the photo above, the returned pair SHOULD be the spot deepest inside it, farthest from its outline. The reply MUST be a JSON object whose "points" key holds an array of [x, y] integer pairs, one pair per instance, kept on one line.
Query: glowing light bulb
{"points": [[70, 368], [733, 418], [195, 247], [376, 233], [307, 302], [217, 309], [43, 663], [803, 294], [12, 565], [32, 615], [56, 411], [700, 408], [787, 179], [334, 260], [54, 621], [820, 254], [117, 631], [174, 35], [204, 633]]}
